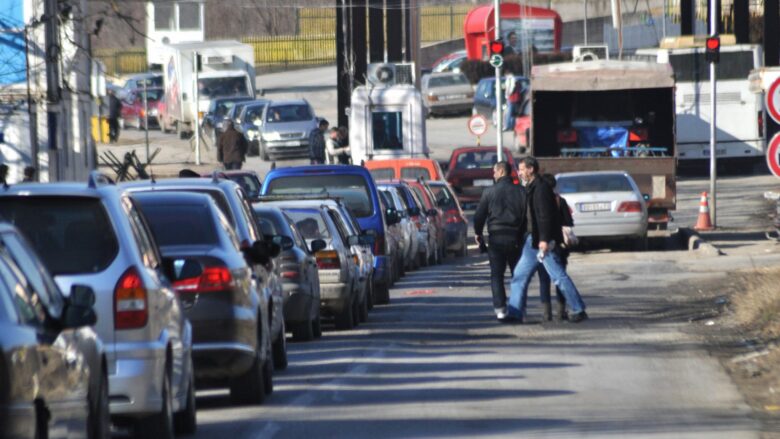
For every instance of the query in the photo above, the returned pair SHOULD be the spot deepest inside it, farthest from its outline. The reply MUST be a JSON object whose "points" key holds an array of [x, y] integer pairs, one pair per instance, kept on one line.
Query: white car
{"points": [[605, 205]]}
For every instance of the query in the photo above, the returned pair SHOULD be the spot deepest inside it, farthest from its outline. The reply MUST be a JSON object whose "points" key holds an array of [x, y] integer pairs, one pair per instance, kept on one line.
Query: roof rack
{"points": [[97, 178], [295, 197]]}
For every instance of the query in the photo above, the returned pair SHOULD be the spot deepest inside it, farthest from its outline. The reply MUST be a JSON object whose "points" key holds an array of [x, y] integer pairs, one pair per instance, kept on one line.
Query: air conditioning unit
{"points": [[387, 74], [590, 53]]}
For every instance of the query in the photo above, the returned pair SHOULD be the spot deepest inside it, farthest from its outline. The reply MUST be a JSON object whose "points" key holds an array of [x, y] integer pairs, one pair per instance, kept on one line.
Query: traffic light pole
{"points": [[499, 119], [713, 124]]}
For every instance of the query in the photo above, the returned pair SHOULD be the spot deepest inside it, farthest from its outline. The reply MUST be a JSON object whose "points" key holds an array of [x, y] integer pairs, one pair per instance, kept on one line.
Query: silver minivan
{"points": [[94, 235]]}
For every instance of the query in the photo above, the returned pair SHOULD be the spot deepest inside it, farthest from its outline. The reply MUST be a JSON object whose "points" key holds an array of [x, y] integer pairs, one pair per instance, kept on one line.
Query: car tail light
{"points": [[356, 259], [290, 275], [567, 136], [453, 216], [328, 260], [210, 280], [630, 206], [637, 135], [379, 245], [433, 98], [130, 302]]}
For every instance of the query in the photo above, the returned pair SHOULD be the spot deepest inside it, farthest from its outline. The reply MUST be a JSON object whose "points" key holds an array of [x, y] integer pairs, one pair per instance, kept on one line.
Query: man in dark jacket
{"points": [[543, 237], [231, 148], [114, 113], [317, 143], [503, 208]]}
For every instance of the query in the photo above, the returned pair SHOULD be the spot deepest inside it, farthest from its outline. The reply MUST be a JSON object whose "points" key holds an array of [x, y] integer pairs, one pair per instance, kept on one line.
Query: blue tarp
{"points": [[604, 137]]}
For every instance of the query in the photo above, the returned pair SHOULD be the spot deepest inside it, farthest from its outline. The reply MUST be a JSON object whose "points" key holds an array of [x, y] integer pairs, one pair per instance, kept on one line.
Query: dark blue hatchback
{"points": [[355, 187]]}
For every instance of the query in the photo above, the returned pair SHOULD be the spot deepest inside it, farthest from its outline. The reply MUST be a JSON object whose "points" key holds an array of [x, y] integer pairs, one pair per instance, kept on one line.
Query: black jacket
{"points": [[502, 206], [545, 213]]}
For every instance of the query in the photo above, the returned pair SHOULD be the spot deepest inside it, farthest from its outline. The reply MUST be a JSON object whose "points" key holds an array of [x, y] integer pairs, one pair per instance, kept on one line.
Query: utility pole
{"points": [[195, 93], [499, 95], [32, 108], [713, 121], [53, 91], [146, 123]]}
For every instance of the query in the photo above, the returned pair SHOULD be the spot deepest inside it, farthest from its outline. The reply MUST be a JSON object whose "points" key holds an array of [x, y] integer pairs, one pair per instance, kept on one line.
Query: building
{"points": [[172, 22]]}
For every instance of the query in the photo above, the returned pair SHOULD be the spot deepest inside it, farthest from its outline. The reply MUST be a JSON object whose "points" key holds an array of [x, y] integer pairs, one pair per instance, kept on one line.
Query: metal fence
{"points": [[314, 41]]}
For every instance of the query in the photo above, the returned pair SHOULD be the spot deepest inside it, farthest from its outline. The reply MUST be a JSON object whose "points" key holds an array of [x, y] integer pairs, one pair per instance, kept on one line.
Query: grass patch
{"points": [[757, 307]]}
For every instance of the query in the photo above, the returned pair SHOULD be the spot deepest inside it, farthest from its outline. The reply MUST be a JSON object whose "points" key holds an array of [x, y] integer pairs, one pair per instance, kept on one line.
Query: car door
{"points": [[308, 263]]}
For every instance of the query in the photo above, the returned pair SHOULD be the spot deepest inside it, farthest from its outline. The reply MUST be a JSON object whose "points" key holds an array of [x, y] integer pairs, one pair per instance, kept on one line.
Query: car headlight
{"points": [[271, 136], [220, 125], [251, 134], [153, 112]]}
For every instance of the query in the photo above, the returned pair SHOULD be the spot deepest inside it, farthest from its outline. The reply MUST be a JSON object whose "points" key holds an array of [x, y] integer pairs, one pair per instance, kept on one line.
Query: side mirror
{"points": [[273, 249], [646, 197], [78, 311], [258, 253], [414, 211], [317, 245], [285, 242], [81, 295], [392, 217]]}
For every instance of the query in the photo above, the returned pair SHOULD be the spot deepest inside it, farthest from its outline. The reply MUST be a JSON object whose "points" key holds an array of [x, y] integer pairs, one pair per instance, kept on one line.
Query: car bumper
{"points": [[297, 304], [221, 360], [135, 380], [287, 148], [450, 106], [610, 228], [335, 297]]}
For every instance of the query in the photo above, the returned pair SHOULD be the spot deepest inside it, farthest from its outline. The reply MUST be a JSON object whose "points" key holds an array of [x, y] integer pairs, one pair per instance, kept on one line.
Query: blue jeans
{"points": [[524, 271], [545, 285], [509, 117]]}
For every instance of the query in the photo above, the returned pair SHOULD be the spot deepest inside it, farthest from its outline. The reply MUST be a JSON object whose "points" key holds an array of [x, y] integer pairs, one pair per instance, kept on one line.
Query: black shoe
{"points": [[562, 314], [578, 317]]}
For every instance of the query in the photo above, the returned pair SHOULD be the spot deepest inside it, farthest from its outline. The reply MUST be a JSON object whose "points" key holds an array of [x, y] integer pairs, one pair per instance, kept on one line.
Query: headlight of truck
{"points": [[251, 134], [271, 136]]}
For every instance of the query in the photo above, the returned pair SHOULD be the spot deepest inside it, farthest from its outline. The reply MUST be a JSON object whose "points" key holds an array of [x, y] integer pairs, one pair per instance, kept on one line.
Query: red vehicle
{"points": [[522, 138], [435, 215], [542, 26], [133, 112], [471, 170]]}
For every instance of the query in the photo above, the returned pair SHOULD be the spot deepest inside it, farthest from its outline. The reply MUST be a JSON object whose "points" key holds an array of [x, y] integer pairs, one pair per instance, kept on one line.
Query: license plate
{"points": [[483, 182], [290, 143], [452, 97], [595, 207]]}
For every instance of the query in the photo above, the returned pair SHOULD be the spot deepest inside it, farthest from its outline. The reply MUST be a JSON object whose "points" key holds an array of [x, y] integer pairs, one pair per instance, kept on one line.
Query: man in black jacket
{"points": [[543, 237], [503, 208]]}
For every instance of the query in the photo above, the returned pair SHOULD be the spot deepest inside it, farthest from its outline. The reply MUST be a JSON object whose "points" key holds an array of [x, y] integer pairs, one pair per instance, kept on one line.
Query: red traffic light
{"points": [[496, 47], [712, 54], [713, 43]]}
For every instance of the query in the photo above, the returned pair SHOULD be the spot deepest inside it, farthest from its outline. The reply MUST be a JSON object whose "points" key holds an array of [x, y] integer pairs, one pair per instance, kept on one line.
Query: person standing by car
{"points": [[317, 143], [337, 154], [114, 113], [502, 206], [541, 246], [29, 174], [232, 147]]}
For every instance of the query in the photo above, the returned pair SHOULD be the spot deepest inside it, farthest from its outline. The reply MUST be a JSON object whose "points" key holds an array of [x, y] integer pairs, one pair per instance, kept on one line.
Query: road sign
{"points": [[496, 60], [772, 158], [478, 125], [773, 100]]}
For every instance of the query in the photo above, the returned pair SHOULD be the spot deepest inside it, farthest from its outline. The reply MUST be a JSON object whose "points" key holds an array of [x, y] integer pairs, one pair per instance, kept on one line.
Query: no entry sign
{"points": [[478, 125], [772, 159], [773, 100]]}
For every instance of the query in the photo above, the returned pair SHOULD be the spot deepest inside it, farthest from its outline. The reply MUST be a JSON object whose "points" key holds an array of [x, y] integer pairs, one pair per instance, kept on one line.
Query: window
{"points": [[146, 246], [692, 67], [163, 16], [337, 221], [189, 16], [352, 189], [594, 183], [181, 224], [476, 160], [309, 223], [413, 173], [213, 87], [447, 81], [35, 273], [387, 129], [288, 113], [443, 197], [229, 231], [296, 235], [7, 308], [267, 224], [30, 311], [382, 174], [72, 235]]}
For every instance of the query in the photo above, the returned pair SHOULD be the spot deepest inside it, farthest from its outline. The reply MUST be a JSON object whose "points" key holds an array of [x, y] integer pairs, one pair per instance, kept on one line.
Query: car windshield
{"points": [[72, 235], [444, 198], [180, 224], [151, 95], [230, 86], [476, 160], [253, 113], [352, 189], [415, 172], [310, 223], [288, 113], [250, 185], [218, 198], [593, 183], [223, 106], [447, 81], [382, 174]]}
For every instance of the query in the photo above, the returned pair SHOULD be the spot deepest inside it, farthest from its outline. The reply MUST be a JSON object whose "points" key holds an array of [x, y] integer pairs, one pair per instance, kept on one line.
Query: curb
{"points": [[696, 243]]}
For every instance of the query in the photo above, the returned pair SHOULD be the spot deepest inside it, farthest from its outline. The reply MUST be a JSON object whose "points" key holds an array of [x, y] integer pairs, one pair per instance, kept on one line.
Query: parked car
{"points": [[424, 229], [407, 227], [136, 82], [522, 128], [234, 114], [234, 204], [447, 93], [95, 235], [52, 356], [456, 224], [450, 62], [299, 273], [485, 96], [135, 114], [214, 119], [354, 185], [605, 205], [435, 217], [251, 117], [285, 129], [405, 169], [470, 171], [248, 180], [338, 268], [395, 236], [214, 281]]}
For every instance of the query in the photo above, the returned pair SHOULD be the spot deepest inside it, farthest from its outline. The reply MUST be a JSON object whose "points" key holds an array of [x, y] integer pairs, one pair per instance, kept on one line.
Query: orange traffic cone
{"points": [[704, 222]]}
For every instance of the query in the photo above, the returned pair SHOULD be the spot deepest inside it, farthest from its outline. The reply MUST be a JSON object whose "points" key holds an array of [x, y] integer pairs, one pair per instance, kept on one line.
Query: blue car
{"points": [[485, 96], [355, 187]]}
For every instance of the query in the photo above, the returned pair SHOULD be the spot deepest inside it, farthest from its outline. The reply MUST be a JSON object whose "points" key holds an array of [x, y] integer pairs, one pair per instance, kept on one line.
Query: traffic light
{"points": [[713, 49], [496, 47]]}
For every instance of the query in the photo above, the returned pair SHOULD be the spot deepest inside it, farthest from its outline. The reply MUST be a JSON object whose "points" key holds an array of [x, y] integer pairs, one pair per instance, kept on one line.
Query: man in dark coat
{"points": [[114, 113], [317, 143], [502, 206], [543, 236], [231, 148]]}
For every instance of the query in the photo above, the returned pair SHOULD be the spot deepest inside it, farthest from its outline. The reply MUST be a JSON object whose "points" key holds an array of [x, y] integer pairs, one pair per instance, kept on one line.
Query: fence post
{"points": [[452, 20]]}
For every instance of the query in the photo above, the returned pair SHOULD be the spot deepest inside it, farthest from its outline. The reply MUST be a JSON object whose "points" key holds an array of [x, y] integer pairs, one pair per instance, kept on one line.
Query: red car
{"points": [[470, 171], [435, 215], [522, 137], [133, 112]]}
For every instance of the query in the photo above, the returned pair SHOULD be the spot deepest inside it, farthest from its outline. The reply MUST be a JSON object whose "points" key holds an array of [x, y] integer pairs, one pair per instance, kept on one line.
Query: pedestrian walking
{"points": [[232, 147], [114, 113], [4, 175], [336, 154], [513, 94], [541, 246], [545, 286], [502, 207], [29, 174], [317, 143]]}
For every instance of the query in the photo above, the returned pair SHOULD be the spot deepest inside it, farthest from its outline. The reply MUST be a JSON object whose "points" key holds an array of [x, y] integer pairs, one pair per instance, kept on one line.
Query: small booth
{"points": [[522, 28]]}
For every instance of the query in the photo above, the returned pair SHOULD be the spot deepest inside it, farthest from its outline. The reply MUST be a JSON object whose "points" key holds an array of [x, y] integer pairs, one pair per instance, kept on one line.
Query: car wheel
{"points": [[268, 373], [159, 425], [356, 312], [363, 311], [186, 421], [99, 417], [316, 325], [344, 319], [280, 350], [382, 296], [249, 387], [640, 244], [303, 331]]}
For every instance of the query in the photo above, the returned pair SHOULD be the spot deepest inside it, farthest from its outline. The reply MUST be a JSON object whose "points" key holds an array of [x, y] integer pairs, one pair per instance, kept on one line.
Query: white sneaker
{"points": [[501, 313]]}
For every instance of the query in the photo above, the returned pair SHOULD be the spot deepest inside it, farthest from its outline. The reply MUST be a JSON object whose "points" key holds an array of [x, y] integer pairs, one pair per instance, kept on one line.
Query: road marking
{"points": [[419, 293], [269, 431]]}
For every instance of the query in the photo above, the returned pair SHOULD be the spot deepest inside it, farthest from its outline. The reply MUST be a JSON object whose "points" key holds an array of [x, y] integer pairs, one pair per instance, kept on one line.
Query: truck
{"points": [[224, 68], [609, 116]]}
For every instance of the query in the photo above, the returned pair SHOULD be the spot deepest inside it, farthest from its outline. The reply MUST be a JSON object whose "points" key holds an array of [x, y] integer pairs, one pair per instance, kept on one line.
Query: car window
{"points": [[40, 280], [146, 245], [181, 224], [346, 219], [443, 197], [352, 189], [310, 223], [28, 306], [383, 174], [447, 81], [219, 197], [7, 307], [415, 172], [249, 217], [231, 233], [421, 199], [340, 226], [288, 113], [296, 234], [594, 183], [476, 160], [72, 235], [267, 226]]}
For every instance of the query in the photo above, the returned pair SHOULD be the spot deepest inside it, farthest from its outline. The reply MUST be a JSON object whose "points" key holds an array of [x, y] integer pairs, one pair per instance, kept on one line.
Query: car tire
{"points": [[249, 387], [640, 244], [316, 325], [463, 250], [356, 312], [303, 331], [280, 350], [99, 415], [344, 320], [186, 421], [159, 425], [382, 296], [363, 311], [268, 373]]}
